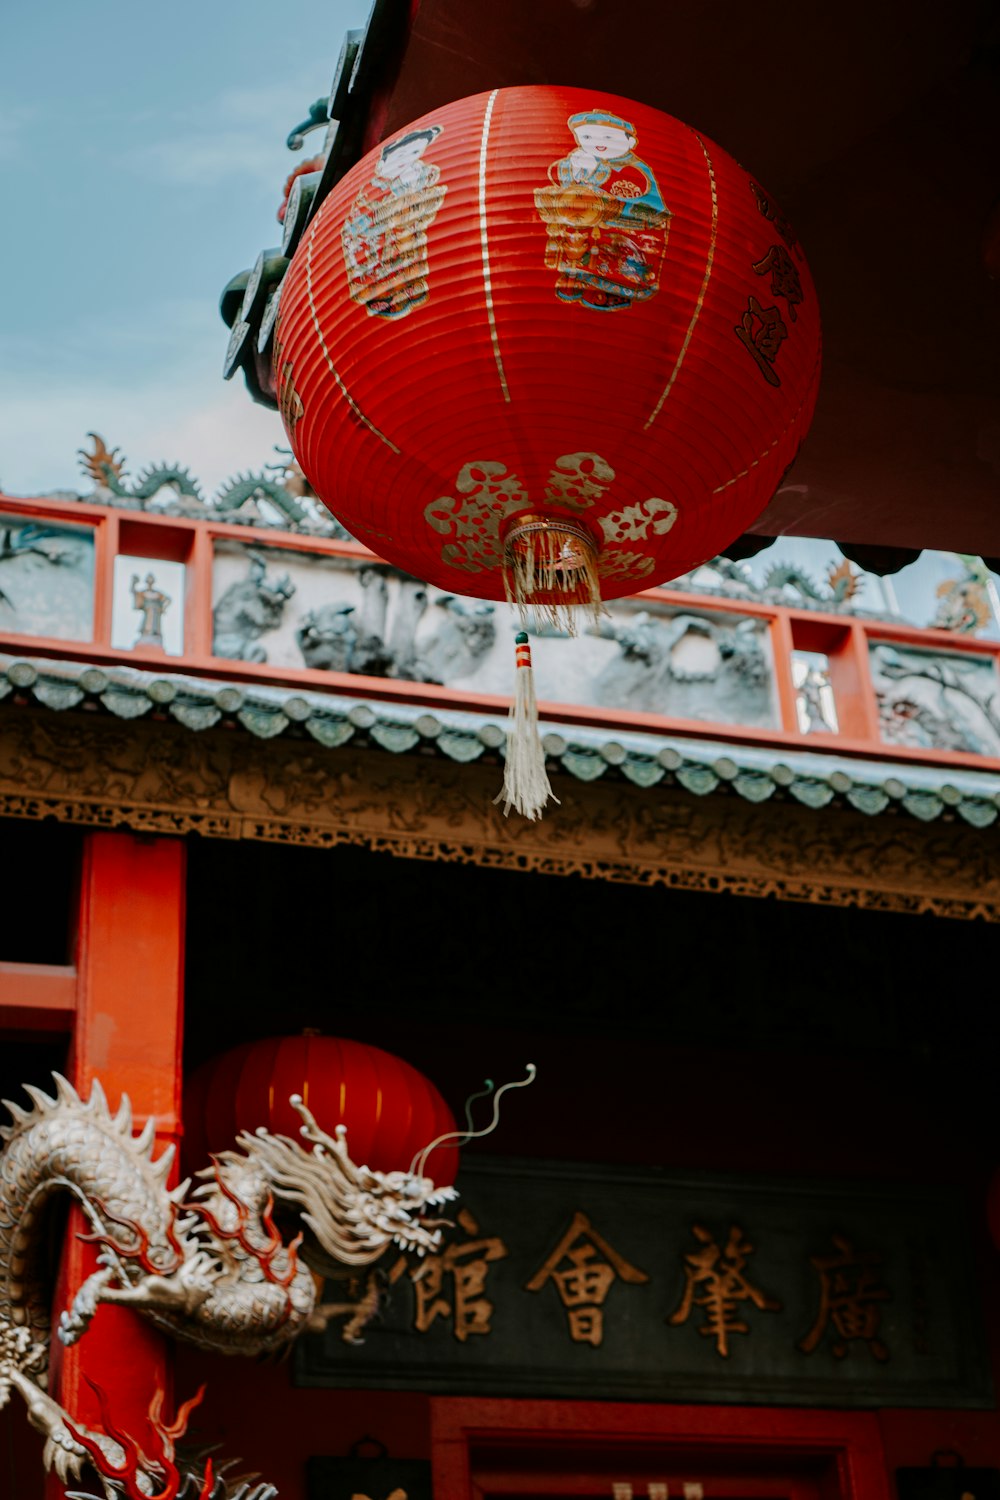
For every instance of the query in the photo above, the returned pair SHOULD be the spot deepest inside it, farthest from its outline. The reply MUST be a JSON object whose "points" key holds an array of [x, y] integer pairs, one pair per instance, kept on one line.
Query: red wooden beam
{"points": [[130, 966], [37, 997]]}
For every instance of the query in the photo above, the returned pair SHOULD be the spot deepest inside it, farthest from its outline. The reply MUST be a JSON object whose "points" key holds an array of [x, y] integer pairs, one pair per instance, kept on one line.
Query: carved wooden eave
{"points": [[700, 824]]}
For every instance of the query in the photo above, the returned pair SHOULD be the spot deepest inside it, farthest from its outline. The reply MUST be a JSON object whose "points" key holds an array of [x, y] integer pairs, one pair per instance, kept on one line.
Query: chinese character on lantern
{"points": [[849, 1298], [785, 279], [583, 1267], [714, 1281], [775, 217], [761, 330], [452, 1283]]}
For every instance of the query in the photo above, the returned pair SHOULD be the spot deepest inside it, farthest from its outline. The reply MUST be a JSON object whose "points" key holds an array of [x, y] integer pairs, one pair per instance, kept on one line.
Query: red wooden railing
{"points": [[844, 639]]}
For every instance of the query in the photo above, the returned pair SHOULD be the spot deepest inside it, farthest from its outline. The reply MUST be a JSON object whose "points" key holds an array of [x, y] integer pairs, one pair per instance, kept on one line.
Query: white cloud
{"points": [[239, 133], [213, 429], [193, 161], [15, 123]]}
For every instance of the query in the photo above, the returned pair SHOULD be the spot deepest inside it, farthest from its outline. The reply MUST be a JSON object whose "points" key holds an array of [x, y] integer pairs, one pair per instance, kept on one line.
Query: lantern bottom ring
{"points": [[550, 571]]}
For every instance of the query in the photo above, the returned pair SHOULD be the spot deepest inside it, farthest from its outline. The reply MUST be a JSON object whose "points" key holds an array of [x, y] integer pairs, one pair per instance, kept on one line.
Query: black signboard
{"points": [[564, 1280]]}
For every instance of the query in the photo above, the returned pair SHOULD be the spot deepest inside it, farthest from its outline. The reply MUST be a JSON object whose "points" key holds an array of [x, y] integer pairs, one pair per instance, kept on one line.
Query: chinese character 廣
{"points": [[849, 1298], [785, 279], [583, 1266], [467, 1263], [761, 330], [714, 1280]]}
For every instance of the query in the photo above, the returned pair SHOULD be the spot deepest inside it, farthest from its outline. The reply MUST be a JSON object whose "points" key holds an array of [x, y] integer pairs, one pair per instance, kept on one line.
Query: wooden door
{"points": [[541, 1450]]}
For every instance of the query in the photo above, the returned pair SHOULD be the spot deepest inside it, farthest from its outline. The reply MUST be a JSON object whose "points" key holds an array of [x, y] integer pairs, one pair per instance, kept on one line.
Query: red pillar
{"points": [[130, 975]]}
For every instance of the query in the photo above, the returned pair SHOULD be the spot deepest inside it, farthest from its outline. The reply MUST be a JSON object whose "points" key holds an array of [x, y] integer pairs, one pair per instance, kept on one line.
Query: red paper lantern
{"points": [[547, 344], [391, 1111], [546, 301]]}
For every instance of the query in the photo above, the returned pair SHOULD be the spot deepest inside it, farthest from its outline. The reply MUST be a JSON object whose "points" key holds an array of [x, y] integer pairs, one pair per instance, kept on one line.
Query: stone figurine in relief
{"points": [[379, 642], [465, 632], [152, 604], [410, 605], [327, 637], [249, 609], [207, 1264], [687, 664], [605, 218]]}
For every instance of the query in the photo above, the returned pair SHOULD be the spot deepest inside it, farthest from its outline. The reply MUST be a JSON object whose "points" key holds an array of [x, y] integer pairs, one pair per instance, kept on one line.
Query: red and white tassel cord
{"points": [[525, 780]]}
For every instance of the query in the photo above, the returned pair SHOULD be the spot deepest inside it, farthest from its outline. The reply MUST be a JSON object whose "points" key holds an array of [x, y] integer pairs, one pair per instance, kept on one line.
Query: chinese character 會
{"points": [[849, 1298], [467, 1264], [583, 1266], [714, 1280], [761, 330], [785, 279]]}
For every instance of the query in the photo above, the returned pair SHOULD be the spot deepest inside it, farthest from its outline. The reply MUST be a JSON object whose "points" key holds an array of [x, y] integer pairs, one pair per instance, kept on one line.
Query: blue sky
{"points": [[142, 157]]}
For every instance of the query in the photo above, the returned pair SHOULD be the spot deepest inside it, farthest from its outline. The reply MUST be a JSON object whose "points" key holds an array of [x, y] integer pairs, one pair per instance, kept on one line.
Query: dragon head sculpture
{"points": [[354, 1212]]}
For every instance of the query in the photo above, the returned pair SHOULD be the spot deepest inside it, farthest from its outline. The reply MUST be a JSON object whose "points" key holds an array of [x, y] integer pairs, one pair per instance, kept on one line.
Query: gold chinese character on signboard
{"points": [[849, 1297], [761, 330], [714, 1281], [785, 279], [452, 1283], [583, 1267]]}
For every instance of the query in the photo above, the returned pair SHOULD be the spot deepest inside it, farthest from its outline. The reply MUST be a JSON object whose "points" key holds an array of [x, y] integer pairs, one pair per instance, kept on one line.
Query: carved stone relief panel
{"points": [[46, 578], [159, 777], [941, 700], [339, 614]]}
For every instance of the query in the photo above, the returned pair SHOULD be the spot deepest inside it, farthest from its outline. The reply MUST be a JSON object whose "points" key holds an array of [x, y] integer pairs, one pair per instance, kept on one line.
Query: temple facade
{"points": [[736, 1234], [716, 1030]]}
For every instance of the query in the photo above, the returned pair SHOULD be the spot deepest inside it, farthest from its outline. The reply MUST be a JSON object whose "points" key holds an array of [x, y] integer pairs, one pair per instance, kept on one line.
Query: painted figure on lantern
{"points": [[385, 232], [605, 217]]}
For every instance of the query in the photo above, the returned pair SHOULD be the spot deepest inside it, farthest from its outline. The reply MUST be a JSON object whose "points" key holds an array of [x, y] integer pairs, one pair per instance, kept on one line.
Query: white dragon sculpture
{"points": [[207, 1264]]}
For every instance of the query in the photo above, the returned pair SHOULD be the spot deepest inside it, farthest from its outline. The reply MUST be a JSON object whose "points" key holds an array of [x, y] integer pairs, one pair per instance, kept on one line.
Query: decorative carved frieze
{"points": [[156, 777]]}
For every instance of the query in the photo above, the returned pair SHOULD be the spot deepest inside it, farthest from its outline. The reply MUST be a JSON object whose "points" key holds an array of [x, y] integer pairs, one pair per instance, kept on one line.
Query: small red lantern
{"points": [[548, 345], [391, 1111]]}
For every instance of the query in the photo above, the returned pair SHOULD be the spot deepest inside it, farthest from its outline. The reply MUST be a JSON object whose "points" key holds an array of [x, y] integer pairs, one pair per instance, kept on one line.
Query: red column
{"points": [[130, 974]]}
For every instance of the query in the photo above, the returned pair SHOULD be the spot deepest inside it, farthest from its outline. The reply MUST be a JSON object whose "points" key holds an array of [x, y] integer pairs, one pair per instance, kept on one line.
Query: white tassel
{"points": [[525, 780]]}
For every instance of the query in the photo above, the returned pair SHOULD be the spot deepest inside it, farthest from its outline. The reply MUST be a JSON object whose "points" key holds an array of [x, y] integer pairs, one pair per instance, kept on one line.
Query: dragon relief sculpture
{"points": [[207, 1263], [278, 496], [126, 1471], [106, 467]]}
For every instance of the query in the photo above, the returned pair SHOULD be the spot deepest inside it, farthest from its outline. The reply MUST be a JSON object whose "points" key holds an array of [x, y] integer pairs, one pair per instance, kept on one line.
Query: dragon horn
{"points": [[463, 1136]]}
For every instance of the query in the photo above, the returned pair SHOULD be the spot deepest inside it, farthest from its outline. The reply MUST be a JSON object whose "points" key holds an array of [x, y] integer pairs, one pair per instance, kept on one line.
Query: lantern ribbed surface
{"points": [[547, 301], [390, 1109]]}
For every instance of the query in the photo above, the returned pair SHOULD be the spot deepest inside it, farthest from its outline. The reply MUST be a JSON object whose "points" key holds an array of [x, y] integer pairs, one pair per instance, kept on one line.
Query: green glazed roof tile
{"points": [[754, 786], [868, 799], [698, 779], [58, 695], [642, 771], [460, 747], [814, 779], [978, 811], [923, 805], [585, 765], [328, 731], [395, 737], [265, 723], [126, 705], [811, 793], [195, 716]]}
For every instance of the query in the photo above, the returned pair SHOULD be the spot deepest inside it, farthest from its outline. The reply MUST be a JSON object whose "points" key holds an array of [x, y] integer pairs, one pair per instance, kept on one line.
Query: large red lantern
{"points": [[549, 345], [391, 1111]]}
